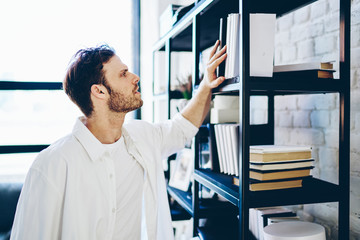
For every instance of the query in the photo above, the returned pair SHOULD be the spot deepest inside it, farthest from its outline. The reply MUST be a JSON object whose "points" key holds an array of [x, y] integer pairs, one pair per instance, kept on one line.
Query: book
{"points": [[287, 164], [275, 153], [258, 218], [256, 185], [232, 44], [262, 44], [234, 132], [220, 149], [305, 74], [214, 156], [304, 66], [279, 174], [222, 38]]}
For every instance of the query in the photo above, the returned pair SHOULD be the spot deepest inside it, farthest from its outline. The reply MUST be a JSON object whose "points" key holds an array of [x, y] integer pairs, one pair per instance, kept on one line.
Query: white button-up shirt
{"points": [[68, 194]]}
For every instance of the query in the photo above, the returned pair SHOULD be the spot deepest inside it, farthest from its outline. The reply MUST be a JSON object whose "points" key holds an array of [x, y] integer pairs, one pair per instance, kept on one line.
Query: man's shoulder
{"points": [[57, 152]]}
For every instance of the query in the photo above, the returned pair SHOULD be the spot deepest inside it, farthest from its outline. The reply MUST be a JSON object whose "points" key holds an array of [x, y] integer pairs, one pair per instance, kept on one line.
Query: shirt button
{"points": [[113, 210]]}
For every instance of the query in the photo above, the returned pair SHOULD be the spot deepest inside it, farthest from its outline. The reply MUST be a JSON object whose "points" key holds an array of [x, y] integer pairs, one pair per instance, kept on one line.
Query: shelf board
{"points": [[207, 207], [277, 6], [220, 183], [282, 86], [210, 11], [313, 191], [183, 198], [181, 33]]}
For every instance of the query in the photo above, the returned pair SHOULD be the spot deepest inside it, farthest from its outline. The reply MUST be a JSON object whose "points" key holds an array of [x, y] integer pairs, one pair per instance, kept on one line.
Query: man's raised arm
{"points": [[198, 107]]}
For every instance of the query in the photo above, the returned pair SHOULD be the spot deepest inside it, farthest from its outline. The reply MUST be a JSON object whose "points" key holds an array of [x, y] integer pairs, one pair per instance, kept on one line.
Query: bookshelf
{"points": [[198, 30]]}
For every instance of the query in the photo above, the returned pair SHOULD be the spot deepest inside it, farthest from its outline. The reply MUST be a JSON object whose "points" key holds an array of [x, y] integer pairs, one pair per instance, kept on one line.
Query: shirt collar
{"points": [[92, 145]]}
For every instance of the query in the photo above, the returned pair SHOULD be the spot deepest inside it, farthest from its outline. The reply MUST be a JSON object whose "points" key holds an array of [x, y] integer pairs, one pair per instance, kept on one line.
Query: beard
{"points": [[118, 102]]}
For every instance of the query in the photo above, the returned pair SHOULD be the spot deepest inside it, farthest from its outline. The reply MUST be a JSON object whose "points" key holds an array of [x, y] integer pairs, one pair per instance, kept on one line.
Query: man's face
{"points": [[124, 95]]}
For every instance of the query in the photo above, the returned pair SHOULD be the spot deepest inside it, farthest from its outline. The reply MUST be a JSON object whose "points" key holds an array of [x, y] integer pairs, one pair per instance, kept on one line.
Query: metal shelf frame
{"points": [[191, 26]]}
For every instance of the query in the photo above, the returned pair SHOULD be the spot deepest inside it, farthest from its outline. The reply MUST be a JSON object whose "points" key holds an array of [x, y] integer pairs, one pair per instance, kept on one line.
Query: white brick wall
{"points": [[311, 34]]}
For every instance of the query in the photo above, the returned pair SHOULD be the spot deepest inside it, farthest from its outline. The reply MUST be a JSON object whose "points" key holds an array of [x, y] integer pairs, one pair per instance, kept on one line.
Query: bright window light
{"points": [[38, 40]]}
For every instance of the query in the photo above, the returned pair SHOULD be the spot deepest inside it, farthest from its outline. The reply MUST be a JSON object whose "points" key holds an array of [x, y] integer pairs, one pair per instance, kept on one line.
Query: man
{"points": [[105, 179]]}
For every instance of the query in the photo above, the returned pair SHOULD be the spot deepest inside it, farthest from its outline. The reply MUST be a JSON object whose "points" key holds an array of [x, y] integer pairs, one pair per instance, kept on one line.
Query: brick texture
{"points": [[311, 34]]}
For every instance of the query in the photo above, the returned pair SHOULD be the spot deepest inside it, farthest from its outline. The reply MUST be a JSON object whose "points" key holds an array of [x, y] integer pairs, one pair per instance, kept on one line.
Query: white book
{"points": [[287, 164], [235, 148], [218, 147], [228, 47], [224, 149], [304, 66], [262, 44], [222, 146], [233, 45], [232, 42], [236, 51], [230, 149], [278, 149]]}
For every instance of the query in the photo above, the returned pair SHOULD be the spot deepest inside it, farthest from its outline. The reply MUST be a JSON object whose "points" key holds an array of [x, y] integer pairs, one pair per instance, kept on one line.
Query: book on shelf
{"points": [[275, 153], [304, 66], [287, 164], [232, 45], [258, 218], [305, 74], [279, 174], [226, 136], [222, 38], [256, 185], [214, 157], [262, 42]]}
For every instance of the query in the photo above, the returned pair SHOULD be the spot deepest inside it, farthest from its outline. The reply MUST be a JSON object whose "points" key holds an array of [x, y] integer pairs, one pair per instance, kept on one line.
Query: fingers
{"points": [[217, 55], [217, 82], [216, 62], [214, 48]]}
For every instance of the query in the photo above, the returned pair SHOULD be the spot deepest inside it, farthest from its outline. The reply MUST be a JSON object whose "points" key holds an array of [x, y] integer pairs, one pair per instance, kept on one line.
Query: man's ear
{"points": [[98, 91]]}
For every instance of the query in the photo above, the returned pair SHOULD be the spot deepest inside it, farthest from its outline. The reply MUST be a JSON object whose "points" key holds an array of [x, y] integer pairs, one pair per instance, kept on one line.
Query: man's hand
{"points": [[198, 107], [215, 59]]}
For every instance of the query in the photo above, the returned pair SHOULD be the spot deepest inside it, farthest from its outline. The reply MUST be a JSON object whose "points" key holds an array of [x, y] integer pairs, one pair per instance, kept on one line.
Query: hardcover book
{"points": [[304, 66], [275, 153], [256, 185], [305, 74], [279, 174], [287, 164]]}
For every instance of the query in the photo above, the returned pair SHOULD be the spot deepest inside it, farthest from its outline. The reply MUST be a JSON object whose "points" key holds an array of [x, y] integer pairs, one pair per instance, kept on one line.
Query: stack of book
{"points": [[278, 167]]}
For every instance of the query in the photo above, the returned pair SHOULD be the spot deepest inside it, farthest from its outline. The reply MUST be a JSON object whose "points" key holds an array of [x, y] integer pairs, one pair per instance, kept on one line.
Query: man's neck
{"points": [[107, 129]]}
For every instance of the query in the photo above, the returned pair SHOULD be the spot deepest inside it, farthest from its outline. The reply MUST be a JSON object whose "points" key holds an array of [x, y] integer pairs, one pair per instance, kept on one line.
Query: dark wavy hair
{"points": [[86, 69]]}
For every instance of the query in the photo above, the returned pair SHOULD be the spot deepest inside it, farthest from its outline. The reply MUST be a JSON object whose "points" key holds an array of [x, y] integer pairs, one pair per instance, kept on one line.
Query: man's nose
{"points": [[136, 78]]}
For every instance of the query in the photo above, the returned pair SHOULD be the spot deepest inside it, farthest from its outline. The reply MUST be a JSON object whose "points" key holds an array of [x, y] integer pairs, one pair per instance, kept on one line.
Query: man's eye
{"points": [[124, 74]]}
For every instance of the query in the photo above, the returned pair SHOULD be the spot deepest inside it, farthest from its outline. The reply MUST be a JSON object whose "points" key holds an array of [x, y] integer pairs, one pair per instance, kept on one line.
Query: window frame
{"points": [[30, 86]]}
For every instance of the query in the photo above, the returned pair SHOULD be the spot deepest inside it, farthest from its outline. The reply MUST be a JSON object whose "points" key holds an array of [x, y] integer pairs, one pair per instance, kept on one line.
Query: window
{"points": [[38, 39]]}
